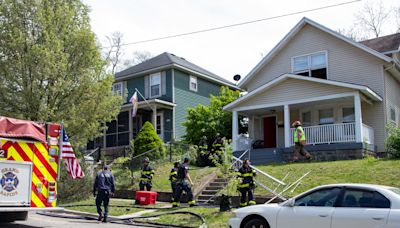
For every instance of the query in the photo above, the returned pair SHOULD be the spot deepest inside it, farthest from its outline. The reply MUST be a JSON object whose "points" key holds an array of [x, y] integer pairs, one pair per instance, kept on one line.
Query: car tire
{"points": [[256, 223]]}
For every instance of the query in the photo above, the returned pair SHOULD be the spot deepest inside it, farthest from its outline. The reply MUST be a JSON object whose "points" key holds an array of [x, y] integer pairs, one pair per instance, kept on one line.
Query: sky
{"points": [[225, 52]]}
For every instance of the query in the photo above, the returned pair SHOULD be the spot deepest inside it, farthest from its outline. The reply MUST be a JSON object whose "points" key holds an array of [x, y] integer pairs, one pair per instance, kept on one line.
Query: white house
{"points": [[344, 92]]}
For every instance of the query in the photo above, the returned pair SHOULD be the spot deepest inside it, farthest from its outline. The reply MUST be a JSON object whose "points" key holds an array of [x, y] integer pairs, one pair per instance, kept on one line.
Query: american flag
{"points": [[71, 162]]}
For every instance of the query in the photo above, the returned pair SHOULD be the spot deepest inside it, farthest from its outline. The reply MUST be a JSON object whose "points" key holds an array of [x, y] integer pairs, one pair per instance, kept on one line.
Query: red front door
{"points": [[270, 132]]}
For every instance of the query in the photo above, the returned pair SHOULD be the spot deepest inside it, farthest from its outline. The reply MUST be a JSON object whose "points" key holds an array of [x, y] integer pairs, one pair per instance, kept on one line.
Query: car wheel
{"points": [[256, 223]]}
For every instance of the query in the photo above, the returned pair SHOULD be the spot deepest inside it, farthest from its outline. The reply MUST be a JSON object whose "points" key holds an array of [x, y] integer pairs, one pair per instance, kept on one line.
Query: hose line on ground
{"points": [[132, 219]]}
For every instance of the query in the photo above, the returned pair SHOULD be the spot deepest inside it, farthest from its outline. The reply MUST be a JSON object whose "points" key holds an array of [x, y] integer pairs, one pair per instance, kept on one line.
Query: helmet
{"points": [[296, 123], [146, 159]]}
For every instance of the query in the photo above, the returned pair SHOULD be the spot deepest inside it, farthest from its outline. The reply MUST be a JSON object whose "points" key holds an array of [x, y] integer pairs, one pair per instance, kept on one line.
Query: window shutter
{"points": [[146, 86], [163, 83]]}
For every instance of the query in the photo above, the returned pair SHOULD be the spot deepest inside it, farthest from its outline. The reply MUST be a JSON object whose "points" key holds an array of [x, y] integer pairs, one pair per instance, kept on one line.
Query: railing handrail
{"points": [[319, 126], [260, 171]]}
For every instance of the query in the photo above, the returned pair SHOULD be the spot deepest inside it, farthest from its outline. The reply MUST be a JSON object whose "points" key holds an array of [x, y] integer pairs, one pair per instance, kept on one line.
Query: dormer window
{"points": [[312, 65]]}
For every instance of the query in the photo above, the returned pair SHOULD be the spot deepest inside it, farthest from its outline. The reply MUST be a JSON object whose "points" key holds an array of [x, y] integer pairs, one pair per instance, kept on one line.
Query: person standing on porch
{"points": [[299, 142]]}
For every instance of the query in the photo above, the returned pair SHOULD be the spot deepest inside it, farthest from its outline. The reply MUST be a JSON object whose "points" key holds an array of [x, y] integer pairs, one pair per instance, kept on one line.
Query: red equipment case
{"points": [[146, 197]]}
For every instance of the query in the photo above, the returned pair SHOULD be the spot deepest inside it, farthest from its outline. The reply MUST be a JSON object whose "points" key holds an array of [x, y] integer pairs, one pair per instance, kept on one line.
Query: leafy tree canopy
{"points": [[209, 120], [51, 67]]}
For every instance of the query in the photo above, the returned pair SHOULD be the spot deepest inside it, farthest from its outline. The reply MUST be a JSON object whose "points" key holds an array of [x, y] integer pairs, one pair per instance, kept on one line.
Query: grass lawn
{"points": [[113, 211], [213, 217], [368, 170]]}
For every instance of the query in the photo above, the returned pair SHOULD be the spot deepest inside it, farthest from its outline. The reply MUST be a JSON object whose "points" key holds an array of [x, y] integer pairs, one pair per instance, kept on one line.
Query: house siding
{"points": [[346, 63], [373, 116], [185, 98], [138, 83], [293, 89], [392, 96]]}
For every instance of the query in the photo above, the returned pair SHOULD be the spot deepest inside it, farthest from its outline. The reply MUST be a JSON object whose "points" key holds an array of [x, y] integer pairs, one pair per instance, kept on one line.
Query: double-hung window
{"points": [[155, 85], [326, 116], [118, 88], [393, 115], [313, 65], [193, 83]]}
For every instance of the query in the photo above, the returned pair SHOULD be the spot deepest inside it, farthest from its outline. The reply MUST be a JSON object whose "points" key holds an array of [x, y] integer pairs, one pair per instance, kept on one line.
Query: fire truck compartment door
{"points": [[15, 183]]}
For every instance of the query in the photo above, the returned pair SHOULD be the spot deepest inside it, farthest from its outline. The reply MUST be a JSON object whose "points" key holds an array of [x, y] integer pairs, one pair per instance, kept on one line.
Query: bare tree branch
{"points": [[372, 16]]}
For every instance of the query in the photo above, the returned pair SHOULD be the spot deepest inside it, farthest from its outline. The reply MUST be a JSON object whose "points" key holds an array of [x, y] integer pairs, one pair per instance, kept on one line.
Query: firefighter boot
{"points": [[100, 218]]}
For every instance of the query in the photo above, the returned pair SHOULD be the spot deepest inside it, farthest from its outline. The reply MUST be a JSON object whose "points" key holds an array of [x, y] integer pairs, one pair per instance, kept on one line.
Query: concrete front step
{"points": [[204, 197], [204, 201], [209, 192], [214, 184], [213, 188], [219, 180]]}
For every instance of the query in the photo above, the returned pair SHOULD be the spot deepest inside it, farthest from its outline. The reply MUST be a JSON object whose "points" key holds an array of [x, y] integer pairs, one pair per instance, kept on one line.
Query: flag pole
{"points": [[60, 149], [143, 98]]}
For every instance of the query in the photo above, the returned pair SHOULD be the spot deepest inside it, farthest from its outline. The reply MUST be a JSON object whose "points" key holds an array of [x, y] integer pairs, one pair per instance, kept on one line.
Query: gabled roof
{"points": [[293, 32], [165, 60], [364, 89], [385, 44]]}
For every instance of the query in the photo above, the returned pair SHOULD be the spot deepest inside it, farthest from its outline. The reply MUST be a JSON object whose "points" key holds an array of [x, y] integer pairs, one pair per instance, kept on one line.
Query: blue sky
{"points": [[225, 52]]}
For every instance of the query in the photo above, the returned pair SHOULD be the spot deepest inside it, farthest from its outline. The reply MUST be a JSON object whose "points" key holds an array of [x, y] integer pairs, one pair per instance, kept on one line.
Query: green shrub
{"points": [[393, 141], [147, 139]]}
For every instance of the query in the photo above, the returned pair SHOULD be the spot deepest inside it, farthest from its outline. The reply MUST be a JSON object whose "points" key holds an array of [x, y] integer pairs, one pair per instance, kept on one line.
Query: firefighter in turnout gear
{"points": [[299, 142], [246, 184], [184, 183], [103, 189], [147, 175], [173, 178]]}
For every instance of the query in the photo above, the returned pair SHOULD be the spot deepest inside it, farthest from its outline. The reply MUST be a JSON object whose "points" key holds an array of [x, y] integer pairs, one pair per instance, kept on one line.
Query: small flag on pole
{"points": [[68, 155], [135, 104]]}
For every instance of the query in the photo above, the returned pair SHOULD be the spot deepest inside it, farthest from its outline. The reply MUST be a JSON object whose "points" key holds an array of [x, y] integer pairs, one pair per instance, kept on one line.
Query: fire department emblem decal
{"points": [[9, 181]]}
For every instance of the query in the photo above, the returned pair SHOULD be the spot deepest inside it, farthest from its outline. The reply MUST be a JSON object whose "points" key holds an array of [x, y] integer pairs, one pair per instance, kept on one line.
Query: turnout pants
{"points": [[103, 197], [143, 184], [174, 187], [246, 197], [299, 149], [183, 186]]}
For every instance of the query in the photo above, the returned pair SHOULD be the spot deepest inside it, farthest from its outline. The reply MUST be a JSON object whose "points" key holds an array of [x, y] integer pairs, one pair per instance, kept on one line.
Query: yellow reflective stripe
{"points": [[247, 174], [244, 185], [144, 179], [243, 204], [147, 172], [252, 202], [174, 173], [192, 202]]}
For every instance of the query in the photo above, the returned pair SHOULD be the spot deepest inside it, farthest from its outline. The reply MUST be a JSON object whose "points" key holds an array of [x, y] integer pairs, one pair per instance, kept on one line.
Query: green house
{"points": [[168, 85]]}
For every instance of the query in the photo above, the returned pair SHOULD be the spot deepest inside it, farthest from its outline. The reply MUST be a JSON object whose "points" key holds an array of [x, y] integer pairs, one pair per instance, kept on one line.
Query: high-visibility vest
{"points": [[303, 136]]}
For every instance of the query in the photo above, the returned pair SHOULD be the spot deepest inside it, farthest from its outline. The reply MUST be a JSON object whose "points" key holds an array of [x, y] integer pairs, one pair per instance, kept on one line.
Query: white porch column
{"points": [[235, 128], [358, 116], [154, 119], [286, 120]]}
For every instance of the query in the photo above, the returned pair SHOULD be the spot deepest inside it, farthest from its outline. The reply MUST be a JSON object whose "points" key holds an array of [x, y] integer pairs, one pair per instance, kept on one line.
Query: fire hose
{"points": [[133, 219]]}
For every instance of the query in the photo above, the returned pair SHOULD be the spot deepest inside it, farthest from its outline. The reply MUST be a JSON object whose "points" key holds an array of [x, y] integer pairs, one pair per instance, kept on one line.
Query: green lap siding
{"points": [[185, 98]]}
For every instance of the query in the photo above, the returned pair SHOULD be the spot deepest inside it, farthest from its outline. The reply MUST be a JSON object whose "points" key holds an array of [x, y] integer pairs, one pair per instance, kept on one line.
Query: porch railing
{"points": [[368, 134], [328, 133]]}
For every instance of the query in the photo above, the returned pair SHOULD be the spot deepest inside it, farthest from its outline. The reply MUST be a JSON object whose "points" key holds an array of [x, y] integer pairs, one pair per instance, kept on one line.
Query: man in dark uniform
{"points": [[173, 178], [103, 189], [146, 176], [246, 184], [183, 185]]}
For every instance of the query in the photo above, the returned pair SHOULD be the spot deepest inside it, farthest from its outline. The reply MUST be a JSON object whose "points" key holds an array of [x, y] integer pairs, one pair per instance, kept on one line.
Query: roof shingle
{"points": [[166, 59], [384, 44]]}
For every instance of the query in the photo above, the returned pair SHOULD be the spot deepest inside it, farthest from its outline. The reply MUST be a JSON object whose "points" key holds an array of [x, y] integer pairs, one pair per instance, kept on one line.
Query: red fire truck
{"points": [[29, 167]]}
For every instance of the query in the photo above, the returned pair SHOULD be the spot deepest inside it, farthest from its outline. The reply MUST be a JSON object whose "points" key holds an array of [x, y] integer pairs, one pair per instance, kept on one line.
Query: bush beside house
{"points": [[146, 140]]}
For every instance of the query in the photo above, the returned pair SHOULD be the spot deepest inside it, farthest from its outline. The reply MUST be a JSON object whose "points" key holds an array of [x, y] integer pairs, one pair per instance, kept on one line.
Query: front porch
{"points": [[336, 120]]}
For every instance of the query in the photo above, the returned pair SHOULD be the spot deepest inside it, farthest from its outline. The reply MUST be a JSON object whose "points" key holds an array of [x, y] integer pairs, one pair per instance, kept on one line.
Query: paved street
{"points": [[36, 221]]}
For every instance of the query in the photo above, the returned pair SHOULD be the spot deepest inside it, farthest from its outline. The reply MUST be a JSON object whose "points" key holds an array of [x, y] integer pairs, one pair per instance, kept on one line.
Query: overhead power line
{"points": [[238, 24]]}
